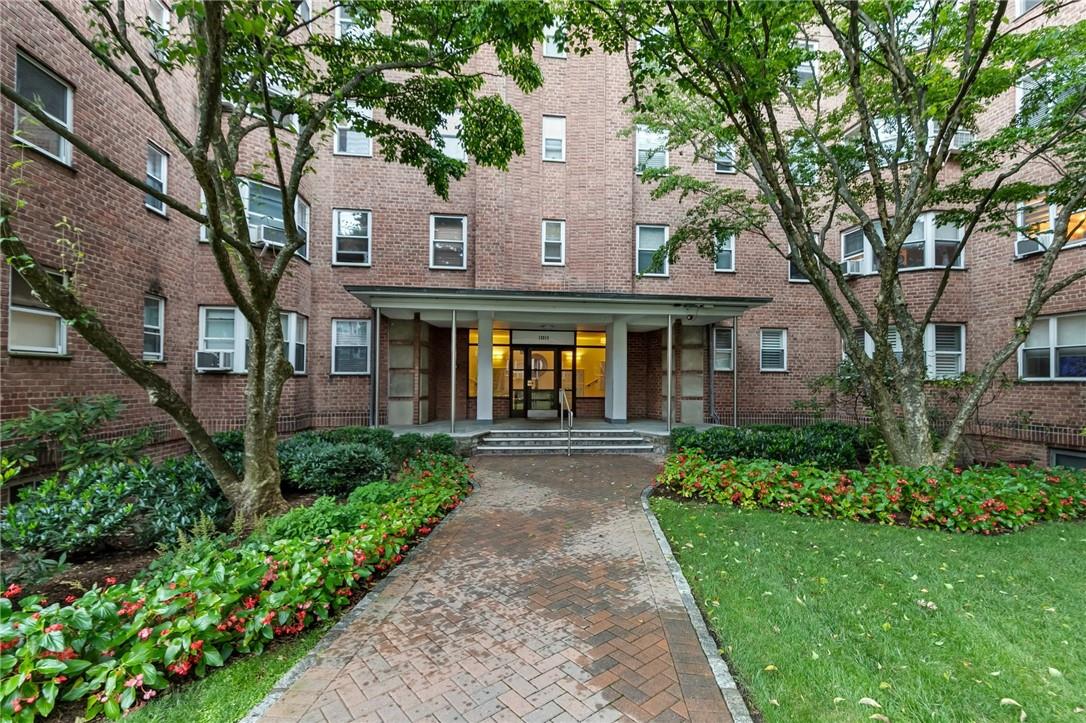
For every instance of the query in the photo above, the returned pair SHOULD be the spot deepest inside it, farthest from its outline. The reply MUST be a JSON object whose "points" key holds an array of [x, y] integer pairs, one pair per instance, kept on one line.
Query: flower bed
{"points": [[827, 444], [979, 499], [115, 647]]}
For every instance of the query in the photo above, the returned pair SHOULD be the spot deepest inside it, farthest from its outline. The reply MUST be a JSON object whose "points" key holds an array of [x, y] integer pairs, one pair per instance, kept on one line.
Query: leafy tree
{"points": [[272, 80], [860, 129]]}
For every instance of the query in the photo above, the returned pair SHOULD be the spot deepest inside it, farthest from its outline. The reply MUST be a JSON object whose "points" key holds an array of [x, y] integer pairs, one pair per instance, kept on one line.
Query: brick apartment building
{"points": [[534, 272]]}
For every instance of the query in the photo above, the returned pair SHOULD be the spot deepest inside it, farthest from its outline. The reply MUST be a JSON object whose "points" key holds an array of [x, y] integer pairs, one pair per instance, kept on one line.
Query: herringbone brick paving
{"points": [[544, 598]]}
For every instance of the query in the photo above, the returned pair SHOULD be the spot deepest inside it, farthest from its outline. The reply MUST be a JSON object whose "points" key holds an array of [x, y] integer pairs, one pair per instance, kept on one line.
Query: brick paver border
{"points": [[724, 680]]}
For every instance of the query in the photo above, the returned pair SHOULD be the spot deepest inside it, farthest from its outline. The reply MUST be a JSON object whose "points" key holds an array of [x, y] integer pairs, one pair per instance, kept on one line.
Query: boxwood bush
{"points": [[977, 499], [826, 444], [335, 468]]}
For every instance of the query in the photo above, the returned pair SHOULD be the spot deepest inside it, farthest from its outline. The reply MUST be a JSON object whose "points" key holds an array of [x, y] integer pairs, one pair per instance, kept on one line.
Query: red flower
{"points": [[12, 591], [111, 581], [70, 599]]}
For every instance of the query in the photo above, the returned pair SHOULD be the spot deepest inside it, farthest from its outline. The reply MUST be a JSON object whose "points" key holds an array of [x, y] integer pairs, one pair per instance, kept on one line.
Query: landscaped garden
{"points": [[843, 588], [209, 593]]}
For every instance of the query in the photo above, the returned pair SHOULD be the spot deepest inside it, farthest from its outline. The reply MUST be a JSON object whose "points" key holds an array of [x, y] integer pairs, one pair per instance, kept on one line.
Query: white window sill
{"points": [[724, 173], [66, 162], [353, 263], [554, 160], [352, 155], [1054, 380], [654, 276], [555, 57], [554, 263], [723, 371], [159, 211], [723, 271], [773, 371], [448, 268], [39, 354], [1040, 252], [349, 374]]}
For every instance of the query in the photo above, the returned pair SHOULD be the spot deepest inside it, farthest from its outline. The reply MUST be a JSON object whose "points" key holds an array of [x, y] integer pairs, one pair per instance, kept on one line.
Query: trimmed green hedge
{"points": [[978, 499], [115, 647], [827, 444]]}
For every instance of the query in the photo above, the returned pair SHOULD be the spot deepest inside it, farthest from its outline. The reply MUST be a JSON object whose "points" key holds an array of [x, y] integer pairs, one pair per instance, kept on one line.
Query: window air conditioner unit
{"points": [[851, 267], [214, 361], [266, 236]]}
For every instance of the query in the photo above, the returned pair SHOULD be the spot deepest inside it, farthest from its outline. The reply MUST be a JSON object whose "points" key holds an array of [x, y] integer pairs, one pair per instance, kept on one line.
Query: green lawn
{"points": [[226, 695], [815, 615]]}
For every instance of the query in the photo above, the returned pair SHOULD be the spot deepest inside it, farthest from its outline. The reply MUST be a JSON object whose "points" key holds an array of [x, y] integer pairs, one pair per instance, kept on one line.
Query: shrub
{"points": [[377, 436], [408, 445], [826, 444], [98, 505], [336, 468], [69, 425], [979, 499], [115, 647], [377, 493], [320, 519]]}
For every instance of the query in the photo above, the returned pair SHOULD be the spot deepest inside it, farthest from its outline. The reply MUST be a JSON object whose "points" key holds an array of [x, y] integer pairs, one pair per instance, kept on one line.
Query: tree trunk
{"points": [[268, 372]]}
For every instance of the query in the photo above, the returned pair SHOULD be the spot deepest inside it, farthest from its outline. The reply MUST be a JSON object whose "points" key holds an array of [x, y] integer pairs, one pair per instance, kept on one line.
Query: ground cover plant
{"points": [[978, 499], [827, 620], [116, 646]]}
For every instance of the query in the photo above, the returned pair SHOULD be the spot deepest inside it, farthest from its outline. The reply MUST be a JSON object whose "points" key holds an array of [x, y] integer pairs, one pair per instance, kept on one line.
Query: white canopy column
{"points": [[484, 388], [614, 403]]}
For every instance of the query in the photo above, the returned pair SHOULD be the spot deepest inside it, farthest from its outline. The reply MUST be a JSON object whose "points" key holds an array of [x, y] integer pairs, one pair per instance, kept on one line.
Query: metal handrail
{"points": [[565, 407]]}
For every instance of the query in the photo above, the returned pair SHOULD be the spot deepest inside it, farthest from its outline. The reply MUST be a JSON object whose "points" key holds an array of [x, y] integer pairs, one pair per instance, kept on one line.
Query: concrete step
{"points": [[561, 438], [563, 432], [561, 449]]}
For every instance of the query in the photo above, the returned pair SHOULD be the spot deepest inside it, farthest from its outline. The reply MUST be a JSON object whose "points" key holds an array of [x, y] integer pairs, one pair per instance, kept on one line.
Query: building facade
{"points": [[406, 308]]}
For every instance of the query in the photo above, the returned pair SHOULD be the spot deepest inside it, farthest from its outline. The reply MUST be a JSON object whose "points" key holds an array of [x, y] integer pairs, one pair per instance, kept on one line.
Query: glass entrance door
{"points": [[535, 377]]}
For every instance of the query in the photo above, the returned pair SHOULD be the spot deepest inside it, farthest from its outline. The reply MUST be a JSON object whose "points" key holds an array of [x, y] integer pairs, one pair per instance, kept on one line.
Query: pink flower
{"points": [[144, 634]]}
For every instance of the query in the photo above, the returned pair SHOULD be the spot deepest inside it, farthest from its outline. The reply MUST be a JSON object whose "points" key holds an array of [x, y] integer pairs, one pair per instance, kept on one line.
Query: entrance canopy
{"points": [[554, 316], [551, 309]]}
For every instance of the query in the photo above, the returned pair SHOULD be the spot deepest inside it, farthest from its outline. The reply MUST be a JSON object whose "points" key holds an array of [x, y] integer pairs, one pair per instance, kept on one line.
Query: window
{"points": [[1024, 6], [649, 240], [651, 148], [448, 242], [54, 97], [264, 205], [347, 26], [725, 254], [224, 336], [554, 243], [774, 350], [945, 240], [1037, 219], [1067, 458], [1037, 94], [350, 346], [154, 308], [944, 345], [158, 22], [723, 349], [892, 337], [304, 11], [295, 329], [807, 69], [931, 244], [451, 145], [852, 248], [32, 326], [795, 273], [725, 159], [350, 139], [1055, 349], [912, 251], [351, 244], [157, 161], [554, 42], [554, 138]]}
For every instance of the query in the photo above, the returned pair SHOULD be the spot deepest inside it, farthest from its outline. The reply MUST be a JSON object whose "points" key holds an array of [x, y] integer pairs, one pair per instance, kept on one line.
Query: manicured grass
{"points": [[226, 695], [815, 615]]}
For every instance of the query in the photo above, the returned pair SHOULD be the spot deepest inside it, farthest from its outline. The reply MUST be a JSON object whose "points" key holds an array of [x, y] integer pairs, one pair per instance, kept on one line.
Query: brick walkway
{"points": [[544, 598]]}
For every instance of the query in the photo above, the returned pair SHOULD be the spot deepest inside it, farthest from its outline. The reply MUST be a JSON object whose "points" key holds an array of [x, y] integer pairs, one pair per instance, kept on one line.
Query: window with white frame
{"points": [[853, 244], [554, 242], [723, 349], [795, 273], [725, 159], [54, 98], [351, 139], [931, 244], [1024, 6], [157, 164], [1037, 94], [554, 138], [448, 242], [304, 11], [1055, 349], [725, 254], [264, 206], [350, 346], [295, 330], [651, 148], [893, 338], [773, 350], [807, 70], [651, 239], [352, 237], [154, 321], [347, 26], [223, 340], [451, 145], [32, 326], [944, 345], [554, 42], [1037, 219], [158, 22]]}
